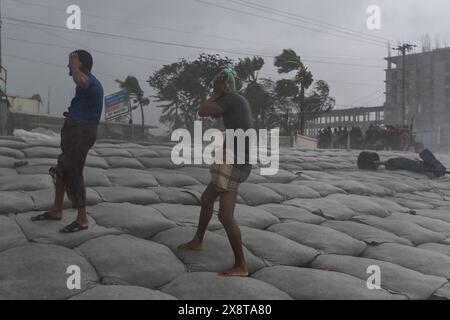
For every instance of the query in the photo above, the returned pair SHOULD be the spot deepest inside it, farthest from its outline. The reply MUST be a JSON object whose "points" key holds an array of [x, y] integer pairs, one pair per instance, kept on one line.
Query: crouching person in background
{"points": [[78, 135]]}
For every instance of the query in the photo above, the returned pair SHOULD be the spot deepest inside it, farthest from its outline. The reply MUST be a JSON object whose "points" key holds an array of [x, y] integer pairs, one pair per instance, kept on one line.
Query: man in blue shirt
{"points": [[78, 135]]}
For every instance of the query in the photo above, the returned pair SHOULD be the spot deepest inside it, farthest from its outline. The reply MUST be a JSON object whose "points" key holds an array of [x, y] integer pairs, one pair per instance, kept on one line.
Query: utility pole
{"points": [[0, 34], [48, 101], [403, 49]]}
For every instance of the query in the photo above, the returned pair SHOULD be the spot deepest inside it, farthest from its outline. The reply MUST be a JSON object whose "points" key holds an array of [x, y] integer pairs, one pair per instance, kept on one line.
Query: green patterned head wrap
{"points": [[230, 81]]}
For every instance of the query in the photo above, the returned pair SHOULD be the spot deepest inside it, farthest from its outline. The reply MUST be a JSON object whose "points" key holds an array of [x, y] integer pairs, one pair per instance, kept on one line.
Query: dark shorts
{"points": [[76, 140]]}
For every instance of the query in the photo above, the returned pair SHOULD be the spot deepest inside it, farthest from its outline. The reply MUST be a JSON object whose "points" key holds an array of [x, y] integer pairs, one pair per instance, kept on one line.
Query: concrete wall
{"points": [[106, 130], [26, 105]]}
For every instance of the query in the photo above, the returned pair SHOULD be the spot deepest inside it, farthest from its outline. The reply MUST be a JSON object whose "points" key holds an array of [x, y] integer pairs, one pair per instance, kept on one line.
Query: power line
{"points": [[53, 64], [176, 30], [152, 26], [107, 53], [371, 42], [168, 61], [91, 49], [174, 44], [317, 22]]}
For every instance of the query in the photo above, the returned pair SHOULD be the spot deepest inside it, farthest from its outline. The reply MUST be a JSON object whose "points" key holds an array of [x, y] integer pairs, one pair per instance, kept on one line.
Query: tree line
{"points": [[287, 104]]}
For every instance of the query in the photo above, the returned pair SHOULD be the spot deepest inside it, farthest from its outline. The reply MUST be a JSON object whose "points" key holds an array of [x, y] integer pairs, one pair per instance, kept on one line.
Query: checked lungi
{"points": [[76, 140], [228, 177]]}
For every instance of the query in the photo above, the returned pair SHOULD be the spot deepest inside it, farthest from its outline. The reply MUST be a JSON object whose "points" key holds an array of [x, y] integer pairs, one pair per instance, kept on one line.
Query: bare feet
{"points": [[194, 245], [236, 271]]}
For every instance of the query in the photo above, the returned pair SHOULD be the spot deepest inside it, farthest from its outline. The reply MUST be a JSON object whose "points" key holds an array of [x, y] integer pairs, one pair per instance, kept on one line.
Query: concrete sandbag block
{"points": [[320, 238], [352, 187], [35, 170], [255, 194], [435, 225], [25, 182], [10, 234], [143, 153], [112, 293], [328, 208], [443, 293], [394, 278], [184, 215], [96, 162], [311, 284], [11, 153], [405, 229], [177, 196], [291, 191], [43, 199], [13, 144], [438, 214], [15, 202], [210, 286], [361, 204], [252, 217], [284, 212], [396, 187], [7, 162], [112, 152], [366, 233], [47, 232], [139, 221], [282, 176], [131, 178], [131, 195], [39, 273], [275, 249], [42, 152], [421, 260], [173, 179], [8, 172], [95, 177], [123, 162], [216, 256], [153, 163], [126, 260], [202, 175], [323, 188], [389, 205], [436, 247]]}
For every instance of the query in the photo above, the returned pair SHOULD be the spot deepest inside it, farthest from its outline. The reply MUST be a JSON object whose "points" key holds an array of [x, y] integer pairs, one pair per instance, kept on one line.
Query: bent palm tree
{"points": [[131, 85]]}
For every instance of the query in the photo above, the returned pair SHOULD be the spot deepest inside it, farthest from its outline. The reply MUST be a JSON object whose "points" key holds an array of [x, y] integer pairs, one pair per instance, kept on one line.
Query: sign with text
{"points": [[117, 105]]}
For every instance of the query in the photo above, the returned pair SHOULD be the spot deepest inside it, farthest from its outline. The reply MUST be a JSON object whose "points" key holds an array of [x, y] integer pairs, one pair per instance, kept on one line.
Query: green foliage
{"points": [[132, 86], [183, 86], [288, 61], [295, 90], [287, 104]]}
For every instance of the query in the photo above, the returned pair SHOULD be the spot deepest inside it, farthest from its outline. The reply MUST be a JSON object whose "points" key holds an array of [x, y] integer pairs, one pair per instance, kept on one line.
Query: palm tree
{"points": [[287, 62], [247, 70], [131, 85]]}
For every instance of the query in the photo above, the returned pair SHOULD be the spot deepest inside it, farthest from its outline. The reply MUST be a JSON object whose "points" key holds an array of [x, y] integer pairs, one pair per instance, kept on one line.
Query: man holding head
{"points": [[226, 178], [78, 135]]}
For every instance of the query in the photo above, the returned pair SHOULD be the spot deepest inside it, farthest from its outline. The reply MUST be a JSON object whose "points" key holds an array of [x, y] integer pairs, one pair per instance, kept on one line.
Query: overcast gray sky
{"points": [[33, 67]]}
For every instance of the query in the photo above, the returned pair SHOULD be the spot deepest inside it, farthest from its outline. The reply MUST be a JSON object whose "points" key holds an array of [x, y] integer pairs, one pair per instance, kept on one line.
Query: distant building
{"points": [[30, 105], [427, 95], [4, 104], [353, 117]]}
